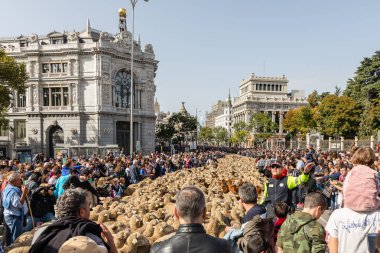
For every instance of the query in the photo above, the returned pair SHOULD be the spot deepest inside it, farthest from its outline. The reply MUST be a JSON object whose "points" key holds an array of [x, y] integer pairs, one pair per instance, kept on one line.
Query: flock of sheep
{"points": [[144, 215]]}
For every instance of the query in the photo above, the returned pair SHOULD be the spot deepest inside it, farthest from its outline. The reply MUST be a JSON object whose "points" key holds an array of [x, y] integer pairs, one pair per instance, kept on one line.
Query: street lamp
{"points": [[133, 2]]}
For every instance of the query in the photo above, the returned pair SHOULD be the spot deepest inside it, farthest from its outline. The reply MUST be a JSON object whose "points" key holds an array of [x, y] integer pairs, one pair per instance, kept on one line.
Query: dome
{"points": [[122, 12]]}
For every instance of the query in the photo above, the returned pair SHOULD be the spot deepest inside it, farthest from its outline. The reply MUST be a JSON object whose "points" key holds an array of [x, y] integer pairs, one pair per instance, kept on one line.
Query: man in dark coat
{"points": [[191, 237], [73, 211]]}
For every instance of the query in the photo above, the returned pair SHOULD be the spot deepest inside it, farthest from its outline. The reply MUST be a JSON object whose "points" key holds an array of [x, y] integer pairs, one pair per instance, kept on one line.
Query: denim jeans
{"points": [[334, 200], [29, 224], [14, 224]]}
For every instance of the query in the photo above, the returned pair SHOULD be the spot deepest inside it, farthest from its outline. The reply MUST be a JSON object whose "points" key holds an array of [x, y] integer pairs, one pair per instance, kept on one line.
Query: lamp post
{"points": [[133, 2]]}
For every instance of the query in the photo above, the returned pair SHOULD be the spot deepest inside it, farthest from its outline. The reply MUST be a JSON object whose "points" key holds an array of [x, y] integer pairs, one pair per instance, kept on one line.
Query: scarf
{"points": [[52, 238]]}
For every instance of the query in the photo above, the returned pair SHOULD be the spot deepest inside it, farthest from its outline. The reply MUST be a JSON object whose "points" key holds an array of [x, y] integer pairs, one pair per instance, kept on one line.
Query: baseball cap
{"points": [[81, 244], [276, 164]]}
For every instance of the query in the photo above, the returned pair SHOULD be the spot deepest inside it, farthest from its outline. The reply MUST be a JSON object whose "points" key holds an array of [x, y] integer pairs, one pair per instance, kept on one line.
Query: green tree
{"points": [[338, 115], [262, 123], [364, 88], [177, 128], [299, 120], [313, 99], [338, 91], [206, 134], [220, 135], [241, 132], [13, 77]]}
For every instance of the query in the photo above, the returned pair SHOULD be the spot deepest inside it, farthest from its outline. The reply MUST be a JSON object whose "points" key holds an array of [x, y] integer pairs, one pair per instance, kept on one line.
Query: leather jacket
{"points": [[191, 238]]}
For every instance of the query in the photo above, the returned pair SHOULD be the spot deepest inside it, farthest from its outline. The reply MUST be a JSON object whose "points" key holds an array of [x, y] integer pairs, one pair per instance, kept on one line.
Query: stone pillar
{"points": [[318, 143], [342, 143], [273, 117], [307, 139], [246, 117], [372, 141], [291, 143], [267, 144], [271, 143], [298, 143], [356, 141], [280, 129], [330, 140]]}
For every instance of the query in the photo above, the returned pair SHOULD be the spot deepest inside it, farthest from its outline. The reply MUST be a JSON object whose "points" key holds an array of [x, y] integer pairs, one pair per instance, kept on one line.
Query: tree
{"points": [[299, 120], [177, 128], [241, 132], [338, 91], [364, 88], [338, 115], [220, 135], [313, 99], [262, 123], [13, 77], [206, 134]]}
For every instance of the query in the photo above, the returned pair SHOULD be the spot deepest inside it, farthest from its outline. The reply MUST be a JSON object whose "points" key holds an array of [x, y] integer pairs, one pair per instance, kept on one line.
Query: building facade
{"points": [[268, 95], [78, 95], [224, 119]]}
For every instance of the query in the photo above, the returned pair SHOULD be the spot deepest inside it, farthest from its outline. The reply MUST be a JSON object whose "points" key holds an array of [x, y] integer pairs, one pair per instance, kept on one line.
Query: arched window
{"points": [[123, 89]]}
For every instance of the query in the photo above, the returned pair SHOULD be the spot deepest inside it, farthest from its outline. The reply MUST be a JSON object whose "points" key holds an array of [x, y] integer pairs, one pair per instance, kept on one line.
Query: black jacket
{"points": [[75, 182], [191, 238], [52, 238]]}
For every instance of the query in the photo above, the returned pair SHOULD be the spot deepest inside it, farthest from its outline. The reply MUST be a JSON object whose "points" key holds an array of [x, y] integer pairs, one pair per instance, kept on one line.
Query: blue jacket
{"points": [[59, 185], [65, 171]]}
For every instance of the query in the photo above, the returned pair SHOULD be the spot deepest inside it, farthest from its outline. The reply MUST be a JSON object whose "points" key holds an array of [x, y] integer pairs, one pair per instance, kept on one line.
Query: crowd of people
{"points": [[300, 186]]}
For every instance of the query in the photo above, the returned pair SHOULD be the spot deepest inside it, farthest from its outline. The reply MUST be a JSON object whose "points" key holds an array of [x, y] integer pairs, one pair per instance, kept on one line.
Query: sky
{"points": [[206, 47]]}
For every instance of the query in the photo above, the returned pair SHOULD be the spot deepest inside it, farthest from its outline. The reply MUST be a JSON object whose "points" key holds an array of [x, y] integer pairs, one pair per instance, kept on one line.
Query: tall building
{"points": [[268, 95], [217, 109], [78, 96], [224, 119]]}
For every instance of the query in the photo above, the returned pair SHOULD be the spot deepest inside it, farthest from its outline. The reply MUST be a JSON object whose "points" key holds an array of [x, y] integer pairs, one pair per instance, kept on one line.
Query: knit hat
{"points": [[360, 189], [81, 244]]}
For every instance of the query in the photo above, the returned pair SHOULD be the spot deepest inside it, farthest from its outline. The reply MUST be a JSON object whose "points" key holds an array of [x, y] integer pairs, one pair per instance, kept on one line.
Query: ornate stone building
{"points": [[266, 94], [78, 94]]}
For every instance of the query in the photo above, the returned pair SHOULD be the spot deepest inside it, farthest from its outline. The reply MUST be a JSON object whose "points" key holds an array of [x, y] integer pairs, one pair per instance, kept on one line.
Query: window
{"points": [[123, 90], [46, 96], [3, 132], [56, 41], [54, 67], [262, 105], [286, 106], [65, 96], [64, 67], [23, 43], [45, 68], [21, 101], [56, 96], [20, 129]]}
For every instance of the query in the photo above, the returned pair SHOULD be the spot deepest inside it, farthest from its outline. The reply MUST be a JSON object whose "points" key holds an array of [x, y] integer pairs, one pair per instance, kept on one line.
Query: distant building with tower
{"points": [[257, 94], [78, 94]]}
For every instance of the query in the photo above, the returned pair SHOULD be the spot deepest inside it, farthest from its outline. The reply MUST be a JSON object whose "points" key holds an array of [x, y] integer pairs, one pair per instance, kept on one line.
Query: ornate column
{"points": [[330, 140], [318, 143], [372, 141], [273, 116], [356, 141], [342, 143], [281, 115]]}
